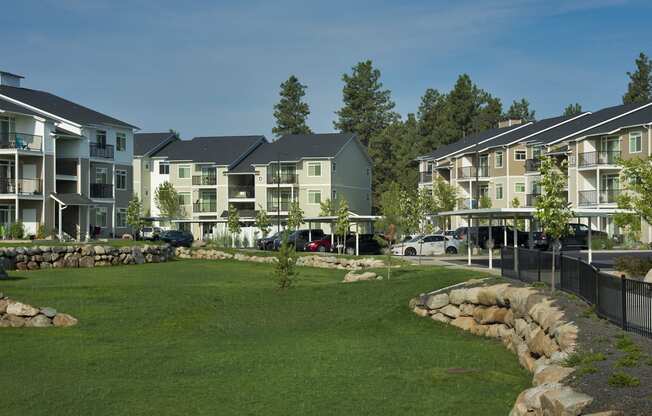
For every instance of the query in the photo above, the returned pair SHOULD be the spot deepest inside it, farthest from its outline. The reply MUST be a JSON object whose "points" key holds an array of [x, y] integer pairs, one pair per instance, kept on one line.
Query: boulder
{"points": [[648, 277], [3, 305], [72, 260], [492, 315], [525, 358], [353, 277], [564, 402], [32, 265], [490, 295], [420, 311], [63, 319], [21, 309], [127, 237], [437, 301], [87, 251], [566, 336], [39, 321], [87, 261], [551, 374], [14, 321], [99, 250], [464, 322], [528, 403], [49, 312], [541, 344], [466, 309], [440, 317], [451, 311], [457, 296]]}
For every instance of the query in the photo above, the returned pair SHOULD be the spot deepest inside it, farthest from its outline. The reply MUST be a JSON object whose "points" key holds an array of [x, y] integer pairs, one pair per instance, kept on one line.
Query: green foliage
{"points": [[485, 201], [167, 201], [583, 358], [636, 175], [602, 243], [295, 216], [368, 108], [620, 379], [291, 112], [327, 208], [3, 231], [521, 110], [520, 223], [342, 222], [639, 89], [573, 109], [41, 232], [634, 266], [285, 266], [134, 214], [552, 209], [16, 230], [629, 360], [392, 218], [625, 344], [263, 222], [445, 198], [233, 220]]}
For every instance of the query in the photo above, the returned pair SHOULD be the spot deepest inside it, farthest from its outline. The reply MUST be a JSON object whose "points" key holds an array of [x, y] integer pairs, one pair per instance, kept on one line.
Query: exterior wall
{"points": [[156, 179], [122, 197], [352, 177], [84, 179], [48, 188]]}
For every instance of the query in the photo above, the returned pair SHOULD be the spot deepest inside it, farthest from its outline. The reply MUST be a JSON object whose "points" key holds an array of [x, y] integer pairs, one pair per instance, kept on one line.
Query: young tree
{"points": [[262, 221], [445, 198], [327, 208], [426, 206], [639, 89], [552, 209], [521, 109], [485, 201], [284, 268], [295, 217], [368, 108], [233, 222], [573, 109], [167, 201], [291, 112], [391, 220], [342, 223], [519, 224], [134, 215], [636, 175]]}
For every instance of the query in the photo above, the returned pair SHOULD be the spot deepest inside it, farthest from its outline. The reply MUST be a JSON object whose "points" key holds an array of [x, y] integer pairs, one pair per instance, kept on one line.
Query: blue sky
{"points": [[214, 67]]}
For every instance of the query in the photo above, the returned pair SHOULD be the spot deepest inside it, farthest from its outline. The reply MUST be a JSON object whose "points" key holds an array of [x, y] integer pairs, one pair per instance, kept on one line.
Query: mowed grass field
{"points": [[217, 338]]}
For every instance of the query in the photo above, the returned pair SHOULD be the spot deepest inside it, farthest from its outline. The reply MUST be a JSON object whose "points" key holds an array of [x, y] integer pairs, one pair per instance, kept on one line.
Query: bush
{"points": [[621, 379], [284, 269], [41, 232], [633, 266], [17, 231], [602, 243], [245, 242]]}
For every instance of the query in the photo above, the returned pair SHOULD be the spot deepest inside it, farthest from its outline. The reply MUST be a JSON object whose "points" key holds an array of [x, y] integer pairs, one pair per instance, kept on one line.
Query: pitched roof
{"points": [[61, 107], [291, 147], [15, 108], [71, 199], [221, 150], [642, 116], [145, 143]]}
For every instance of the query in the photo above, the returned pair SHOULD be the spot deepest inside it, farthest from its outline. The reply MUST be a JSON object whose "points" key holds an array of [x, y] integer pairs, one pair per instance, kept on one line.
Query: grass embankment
{"points": [[216, 337]]}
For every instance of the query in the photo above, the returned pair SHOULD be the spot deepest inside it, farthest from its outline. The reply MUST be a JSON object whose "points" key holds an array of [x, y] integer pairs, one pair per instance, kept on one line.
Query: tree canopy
{"points": [[521, 110], [573, 109], [291, 111], [167, 201], [639, 89]]}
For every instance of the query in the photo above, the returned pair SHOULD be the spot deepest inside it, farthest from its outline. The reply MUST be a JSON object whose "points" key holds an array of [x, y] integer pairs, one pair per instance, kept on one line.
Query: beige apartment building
{"points": [[503, 163], [211, 173]]}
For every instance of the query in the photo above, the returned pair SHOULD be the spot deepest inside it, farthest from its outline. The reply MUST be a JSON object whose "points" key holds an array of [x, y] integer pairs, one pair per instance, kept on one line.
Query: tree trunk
{"points": [[552, 278]]}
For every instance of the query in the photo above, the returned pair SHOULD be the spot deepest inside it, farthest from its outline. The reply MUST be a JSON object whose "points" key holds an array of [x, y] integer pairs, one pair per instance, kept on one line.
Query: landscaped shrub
{"points": [[17, 230], [41, 232], [245, 242], [284, 269], [621, 379], [633, 266], [602, 243]]}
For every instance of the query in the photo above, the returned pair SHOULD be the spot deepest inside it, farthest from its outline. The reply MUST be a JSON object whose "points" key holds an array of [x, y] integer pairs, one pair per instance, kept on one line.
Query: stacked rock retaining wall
{"points": [[46, 257], [528, 324], [14, 314]]}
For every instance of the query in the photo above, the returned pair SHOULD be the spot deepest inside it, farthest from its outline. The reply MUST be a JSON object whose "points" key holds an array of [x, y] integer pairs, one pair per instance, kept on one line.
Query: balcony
{"points": [[285, 178], [20, 141], [241, 192], [273, 206], [425, 177], [102, 190], [593, 197], [590, 159], [102, 151], [467, 203], [205, 206], [204, 180], [609, 196], [25, 186], [532, 165], [471, 172], [531, 199], [67, 167]]}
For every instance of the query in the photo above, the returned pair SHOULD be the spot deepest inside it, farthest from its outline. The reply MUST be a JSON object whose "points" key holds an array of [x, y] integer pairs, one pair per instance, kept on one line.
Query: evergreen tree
{"points": [[490, 113], [521, 109], [368, 108], [573, 109], [639, 89], [291, 112], [463, 105]]}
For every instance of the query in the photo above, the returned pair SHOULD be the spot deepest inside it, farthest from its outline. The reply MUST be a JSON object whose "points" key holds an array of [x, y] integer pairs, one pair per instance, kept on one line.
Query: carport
{"points": [[358, 221], [505, 214]]}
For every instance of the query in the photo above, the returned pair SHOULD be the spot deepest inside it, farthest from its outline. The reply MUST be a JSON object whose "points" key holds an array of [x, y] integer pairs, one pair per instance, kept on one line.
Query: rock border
{"points": [[528, 324], [14, 314]]}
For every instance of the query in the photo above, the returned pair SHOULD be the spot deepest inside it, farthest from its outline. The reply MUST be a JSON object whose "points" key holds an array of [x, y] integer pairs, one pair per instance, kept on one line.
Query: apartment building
{"points": [[503, 164], [62, 165], [211, 173]]}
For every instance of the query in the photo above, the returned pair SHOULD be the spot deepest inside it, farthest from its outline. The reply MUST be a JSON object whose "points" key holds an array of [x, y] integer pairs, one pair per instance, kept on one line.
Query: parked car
{"points": [[480, 235], [322, 245], [177, 238], [299, 238], [267, 243], [367, 244], [578, 238], [151, 233], [427, 245], [449, 233]]}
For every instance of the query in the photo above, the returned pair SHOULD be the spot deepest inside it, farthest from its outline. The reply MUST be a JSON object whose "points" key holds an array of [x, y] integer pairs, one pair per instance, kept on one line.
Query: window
{"points": [[164, 168], [100, 138], [121, 217], [101, 175], [536, 152], [499, 159], [147, 166], [314, 197], [334, 197], [184, 171], [499, 191], [314, 169], [101, 216], [519, 187], [635, 142], [520, 155], [184, 198], [334, 166], [121, 179], [121, 142]]}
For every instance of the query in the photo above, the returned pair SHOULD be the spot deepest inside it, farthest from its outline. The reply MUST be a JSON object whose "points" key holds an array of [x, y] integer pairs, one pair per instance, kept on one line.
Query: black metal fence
{"points": [[625, 302]]}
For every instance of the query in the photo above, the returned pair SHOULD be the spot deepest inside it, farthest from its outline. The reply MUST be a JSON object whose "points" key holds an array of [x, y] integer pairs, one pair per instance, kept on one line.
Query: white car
{"points": [[427, 245]]}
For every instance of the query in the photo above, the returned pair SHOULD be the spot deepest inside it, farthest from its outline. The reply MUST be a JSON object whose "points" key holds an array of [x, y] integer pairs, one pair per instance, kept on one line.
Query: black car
{"points": [[480, 235], [367, 244], [300, 238], [177, 238], [577, 238], [267, 243]]}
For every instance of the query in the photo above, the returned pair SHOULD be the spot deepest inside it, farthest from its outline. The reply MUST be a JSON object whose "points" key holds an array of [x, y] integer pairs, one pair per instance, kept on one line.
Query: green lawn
{"points": [[216, 338]]}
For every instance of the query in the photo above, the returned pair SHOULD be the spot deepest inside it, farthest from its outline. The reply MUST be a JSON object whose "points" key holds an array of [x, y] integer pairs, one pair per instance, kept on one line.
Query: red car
{"points": [[323, 245]]}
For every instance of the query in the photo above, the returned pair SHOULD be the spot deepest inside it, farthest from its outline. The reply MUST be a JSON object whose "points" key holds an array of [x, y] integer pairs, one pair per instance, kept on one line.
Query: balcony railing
{"points": [[589, 159], [532, 165], [609, 196], [531, 199], [20, 141], [67, 167], [26, 186], [204, 206], [587, 198], [101, 190], [283, 178], [593, 197], [273, 206], [199, 180], [104, 151], [243, 192], [469, 172], [425, 177], [467, 203]]}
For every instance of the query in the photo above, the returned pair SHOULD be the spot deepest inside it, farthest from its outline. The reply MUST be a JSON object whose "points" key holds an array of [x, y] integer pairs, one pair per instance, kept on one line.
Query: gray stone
{"points": [[49, 312], [437, 301], [87, 261], [39, 321], [21, 309]]}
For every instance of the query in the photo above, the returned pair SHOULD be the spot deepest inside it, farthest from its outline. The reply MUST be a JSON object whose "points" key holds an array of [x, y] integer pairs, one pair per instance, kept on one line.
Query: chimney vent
{"points": [[509, 122], [9, 79]]}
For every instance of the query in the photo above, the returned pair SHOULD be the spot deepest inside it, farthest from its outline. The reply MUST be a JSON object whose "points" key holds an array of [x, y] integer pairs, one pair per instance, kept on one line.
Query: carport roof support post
{"points": [[490, 245], [468, 241]]}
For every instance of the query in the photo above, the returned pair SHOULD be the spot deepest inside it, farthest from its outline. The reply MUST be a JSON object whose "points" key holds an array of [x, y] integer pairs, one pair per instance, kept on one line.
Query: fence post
{"points": [[623, 301]]}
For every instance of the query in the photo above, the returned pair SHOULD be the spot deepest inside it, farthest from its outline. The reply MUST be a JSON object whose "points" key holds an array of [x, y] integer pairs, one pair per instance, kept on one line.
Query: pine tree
{"points": [[521, 109], [639, 89], [368, 108], [491, 111], [291, 112], [463, 105], [573, 109], [431, 117]]}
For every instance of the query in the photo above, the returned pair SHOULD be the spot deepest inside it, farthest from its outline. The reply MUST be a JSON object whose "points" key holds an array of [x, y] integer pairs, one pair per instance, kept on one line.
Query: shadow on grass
{"points": [[10, 278]]}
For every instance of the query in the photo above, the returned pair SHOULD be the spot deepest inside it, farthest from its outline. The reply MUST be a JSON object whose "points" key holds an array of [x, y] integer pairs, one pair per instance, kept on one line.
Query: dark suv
{"points": [[300, 238], [577, 238], [480, 235]]}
